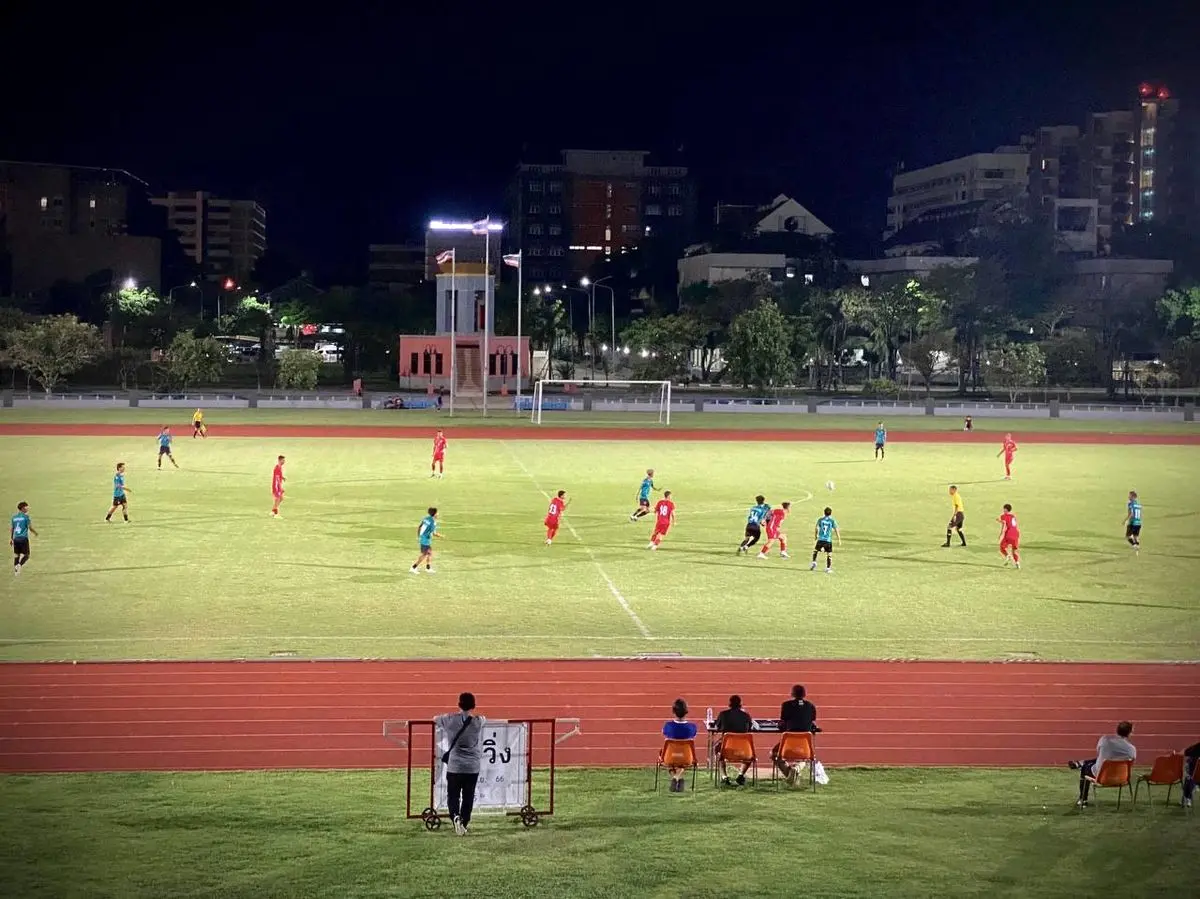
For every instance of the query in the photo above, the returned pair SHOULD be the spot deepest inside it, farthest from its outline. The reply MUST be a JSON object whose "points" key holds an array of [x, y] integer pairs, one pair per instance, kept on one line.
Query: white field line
{"points": [[638, 623], [363, 638]]}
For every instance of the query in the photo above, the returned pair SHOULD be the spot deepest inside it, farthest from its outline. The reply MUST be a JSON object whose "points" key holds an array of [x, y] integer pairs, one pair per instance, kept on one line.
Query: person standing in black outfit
{"points": [[462, 760], [734, 720], [796, 715]]}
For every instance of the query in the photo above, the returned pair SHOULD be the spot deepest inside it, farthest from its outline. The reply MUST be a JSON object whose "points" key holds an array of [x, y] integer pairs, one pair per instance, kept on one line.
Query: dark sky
{"points": [[357, 124]]}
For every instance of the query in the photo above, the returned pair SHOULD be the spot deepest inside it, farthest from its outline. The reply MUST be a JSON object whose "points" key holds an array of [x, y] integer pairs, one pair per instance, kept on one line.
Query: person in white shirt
{"points": [[1109, 748]]}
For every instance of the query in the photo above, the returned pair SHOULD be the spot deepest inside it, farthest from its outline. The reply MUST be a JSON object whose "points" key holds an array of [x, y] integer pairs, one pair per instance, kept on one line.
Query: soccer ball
{"points": [[829, 485]]}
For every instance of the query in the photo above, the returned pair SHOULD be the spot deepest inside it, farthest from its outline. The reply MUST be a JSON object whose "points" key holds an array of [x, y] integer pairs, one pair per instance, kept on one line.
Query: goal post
{"points": [[640, 400]]}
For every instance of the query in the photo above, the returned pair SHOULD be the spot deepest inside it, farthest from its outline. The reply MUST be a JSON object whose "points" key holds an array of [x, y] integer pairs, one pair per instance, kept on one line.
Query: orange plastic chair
{"points": [[738, 749], [1167, 772], [676, 754], [1115, 774], [795, 748]]}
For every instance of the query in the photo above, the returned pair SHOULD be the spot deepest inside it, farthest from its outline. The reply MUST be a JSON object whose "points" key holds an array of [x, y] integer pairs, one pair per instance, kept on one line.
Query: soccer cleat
{"points": [[1017, 565], [783, 555], [548, 542], [812, 567], [16, 570], [652, 546], [946, 544], [413, 570], [829, 571], [428, 570], [761, 556]]}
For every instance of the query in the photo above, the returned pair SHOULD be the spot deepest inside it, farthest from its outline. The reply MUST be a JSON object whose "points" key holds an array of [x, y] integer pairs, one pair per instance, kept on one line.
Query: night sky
{"points": [[354, 129]]}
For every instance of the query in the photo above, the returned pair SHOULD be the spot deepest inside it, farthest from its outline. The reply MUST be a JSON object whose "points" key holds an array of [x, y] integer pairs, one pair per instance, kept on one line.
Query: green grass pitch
{"points": [[203, 572], [341, 835]]}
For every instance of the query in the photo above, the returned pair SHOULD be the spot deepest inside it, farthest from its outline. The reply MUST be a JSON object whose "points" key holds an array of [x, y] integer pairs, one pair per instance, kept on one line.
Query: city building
{"points": [[1111, 138], [707, 267], [1168, 161], [466, 307], [969, 179], [783, 215], [77, 224], [396, 267], [222, 238], [593, 205]]}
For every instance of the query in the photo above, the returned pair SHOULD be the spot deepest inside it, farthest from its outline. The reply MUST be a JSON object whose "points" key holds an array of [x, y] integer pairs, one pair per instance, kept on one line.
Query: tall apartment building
{"points": [[395, 267], [959, 182], [223, 238], [594, 204], [1168, 186], [1110, 142], [75, 223]]}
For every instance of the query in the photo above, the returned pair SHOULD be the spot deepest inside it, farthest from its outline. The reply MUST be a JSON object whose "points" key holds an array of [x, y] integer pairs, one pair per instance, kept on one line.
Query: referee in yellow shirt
{"points": [[198, 427], [956, 517]]}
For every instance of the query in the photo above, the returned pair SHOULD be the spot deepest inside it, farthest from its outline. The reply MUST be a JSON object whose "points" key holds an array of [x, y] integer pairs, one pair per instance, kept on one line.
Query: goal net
{"points": [[643, 401]]}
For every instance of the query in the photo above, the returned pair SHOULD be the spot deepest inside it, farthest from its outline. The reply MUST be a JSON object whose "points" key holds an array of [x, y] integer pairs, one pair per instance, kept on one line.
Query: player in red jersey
{"points": [[664, 517], [1010, 536], [558, 505], [277, 480], [775, 531], [437, 468], [1008, 451]]}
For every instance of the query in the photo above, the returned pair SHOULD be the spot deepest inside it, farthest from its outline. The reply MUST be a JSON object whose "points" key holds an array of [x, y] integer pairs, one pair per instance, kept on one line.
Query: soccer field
{"points": [[202, 571]]}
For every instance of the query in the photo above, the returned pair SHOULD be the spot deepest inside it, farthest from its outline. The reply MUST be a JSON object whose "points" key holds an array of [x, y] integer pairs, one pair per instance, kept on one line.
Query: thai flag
{"points": [[445, 256], [483, 226], [513, 259]]}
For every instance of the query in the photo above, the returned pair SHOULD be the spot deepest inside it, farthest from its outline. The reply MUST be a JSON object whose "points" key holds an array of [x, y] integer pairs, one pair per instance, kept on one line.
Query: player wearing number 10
{"points": [[664, 517]]}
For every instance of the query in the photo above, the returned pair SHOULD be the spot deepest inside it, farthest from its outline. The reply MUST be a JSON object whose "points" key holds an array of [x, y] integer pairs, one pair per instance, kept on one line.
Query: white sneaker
{"points": [[413, 570], [784, 555], [430, 570], [1186, 803], [829, 571], [548, 542], [761, 556], [1017, 565], [459, 828], [652, 546]]}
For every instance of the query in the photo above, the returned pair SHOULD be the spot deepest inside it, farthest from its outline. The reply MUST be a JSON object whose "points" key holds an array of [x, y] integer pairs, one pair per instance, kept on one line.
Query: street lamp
{"points": [[864, 280], [129, 284], [612, 304]]}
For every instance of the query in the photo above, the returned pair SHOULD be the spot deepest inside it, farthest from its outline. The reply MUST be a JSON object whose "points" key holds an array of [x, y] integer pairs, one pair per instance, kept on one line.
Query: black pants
{"points": [[1086, 771], [1190, 763], [460, 795]]}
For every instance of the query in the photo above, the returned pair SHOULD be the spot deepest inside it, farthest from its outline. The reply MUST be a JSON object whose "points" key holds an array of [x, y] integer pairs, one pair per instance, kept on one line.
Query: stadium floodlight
{"points": [[639, 399], [439, 225]]}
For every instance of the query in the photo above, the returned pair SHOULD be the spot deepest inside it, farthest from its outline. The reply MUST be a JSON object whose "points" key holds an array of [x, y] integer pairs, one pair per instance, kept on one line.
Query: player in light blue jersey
{"points": [[20, 528], [825, 531], [426, 531], [754, 522], [120, 500], [1133, 522], [880, 440], [164, 447], [643, 496]]}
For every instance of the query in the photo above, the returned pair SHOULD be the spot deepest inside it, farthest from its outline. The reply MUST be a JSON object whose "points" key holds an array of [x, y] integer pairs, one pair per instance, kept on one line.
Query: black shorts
{"points": [[956, 521], [823, 546], [878, 446], [1133, 530], [425, 548], [643, 503], [164, 451], [197, 425], [753, 530], [21, 546], [120, 501]]}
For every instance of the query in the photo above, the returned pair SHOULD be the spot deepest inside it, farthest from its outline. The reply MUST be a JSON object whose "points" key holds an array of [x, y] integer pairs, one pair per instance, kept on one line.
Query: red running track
{"points": [[157, 716], [500, 432]]}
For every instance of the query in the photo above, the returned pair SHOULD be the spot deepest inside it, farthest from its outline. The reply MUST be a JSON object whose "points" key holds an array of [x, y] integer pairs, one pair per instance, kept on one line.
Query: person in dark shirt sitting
{"points": [[734, 720], [1191, 763], [678, 728], [797, 715]]}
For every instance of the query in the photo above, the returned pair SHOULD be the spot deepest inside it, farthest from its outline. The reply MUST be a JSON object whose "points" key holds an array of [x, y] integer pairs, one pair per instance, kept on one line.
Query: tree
{"points": [[1016, 367], [193, 360], [760, 347], [660, 345], [1073, 359], [140, 318], [1179, 312], [53, 347], [253, 316], [299, 369], [928, 354], [972, 303], [887, 312]]}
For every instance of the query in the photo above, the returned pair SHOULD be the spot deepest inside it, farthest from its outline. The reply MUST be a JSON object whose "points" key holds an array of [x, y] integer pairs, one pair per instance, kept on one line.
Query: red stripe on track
{"points": [[531, 432], [238, 715]]}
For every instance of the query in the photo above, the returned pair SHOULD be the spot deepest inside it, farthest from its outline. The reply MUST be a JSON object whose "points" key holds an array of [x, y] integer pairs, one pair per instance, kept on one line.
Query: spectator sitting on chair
{"points": [[1191, 760], [1109, 748], [679, 728], [734, 720], [797, 715]]}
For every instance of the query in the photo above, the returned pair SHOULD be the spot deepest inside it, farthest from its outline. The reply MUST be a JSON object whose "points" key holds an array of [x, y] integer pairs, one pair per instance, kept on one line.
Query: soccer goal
{"points": [[644, 401]]}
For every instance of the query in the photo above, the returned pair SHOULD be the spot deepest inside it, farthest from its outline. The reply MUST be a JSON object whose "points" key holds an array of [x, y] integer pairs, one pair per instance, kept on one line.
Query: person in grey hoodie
{"points": [[462, 759]]}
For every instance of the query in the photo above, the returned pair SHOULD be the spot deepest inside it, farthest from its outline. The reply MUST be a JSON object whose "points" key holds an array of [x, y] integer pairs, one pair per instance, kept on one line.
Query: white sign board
{"points": [[504, 770]]}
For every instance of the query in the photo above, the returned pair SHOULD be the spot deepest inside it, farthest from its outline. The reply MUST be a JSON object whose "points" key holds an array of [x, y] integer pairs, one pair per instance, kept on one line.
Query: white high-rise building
{"points": [[225, 238]]}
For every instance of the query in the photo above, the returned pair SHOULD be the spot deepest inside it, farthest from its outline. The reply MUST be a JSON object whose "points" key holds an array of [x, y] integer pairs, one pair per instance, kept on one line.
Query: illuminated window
{"points": [[608, 233], [608, 211], [535, 187], [1147, 179], [92, 203], [608, 190], [1148, 137], [608, 251], [535, 229], [45, 203], [555, 230]]}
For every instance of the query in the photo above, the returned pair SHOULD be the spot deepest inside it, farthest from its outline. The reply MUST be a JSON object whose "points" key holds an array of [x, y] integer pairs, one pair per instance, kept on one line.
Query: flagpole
{"points": [[520, 276], [487, 285], [453, 322]]}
